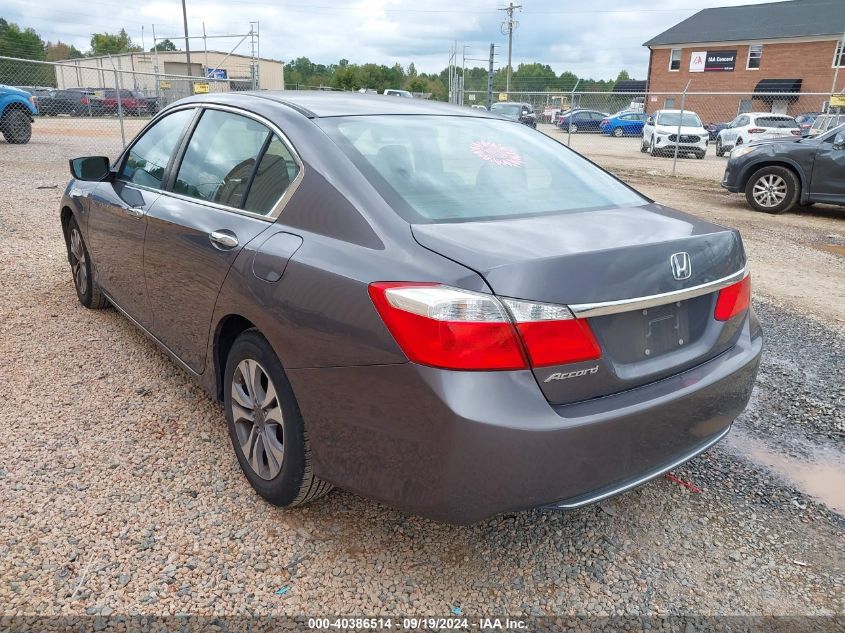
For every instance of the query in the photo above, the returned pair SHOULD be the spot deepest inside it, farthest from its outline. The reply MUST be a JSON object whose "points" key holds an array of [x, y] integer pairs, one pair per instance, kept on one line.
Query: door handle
{"points": [[223, 239], [135, 212]]}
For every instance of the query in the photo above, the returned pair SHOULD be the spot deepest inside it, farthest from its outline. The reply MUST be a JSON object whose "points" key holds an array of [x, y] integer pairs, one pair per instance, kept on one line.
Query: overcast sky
{"points": [[592, 39]]}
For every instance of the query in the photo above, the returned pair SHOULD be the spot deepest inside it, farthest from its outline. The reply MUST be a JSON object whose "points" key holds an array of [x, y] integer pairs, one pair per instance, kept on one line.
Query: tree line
{"points": [[301, 72]]}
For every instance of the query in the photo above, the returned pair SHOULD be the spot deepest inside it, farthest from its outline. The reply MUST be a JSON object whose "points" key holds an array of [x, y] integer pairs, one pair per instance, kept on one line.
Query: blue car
{"points": [[625, 124], [17, 107], [581, 121]]}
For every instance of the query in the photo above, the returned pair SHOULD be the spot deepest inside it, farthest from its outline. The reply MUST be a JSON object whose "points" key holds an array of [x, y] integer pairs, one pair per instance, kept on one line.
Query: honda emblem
{"points": [[681, 266]]}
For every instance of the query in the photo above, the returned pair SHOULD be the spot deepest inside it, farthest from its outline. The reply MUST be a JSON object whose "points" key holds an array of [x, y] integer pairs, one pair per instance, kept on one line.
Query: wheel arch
{"points": [[16, 105], [229, 328], [750, 170]]}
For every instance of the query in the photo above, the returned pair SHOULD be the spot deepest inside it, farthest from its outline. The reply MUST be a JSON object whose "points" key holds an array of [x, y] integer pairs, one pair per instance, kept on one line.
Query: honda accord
{"points": [[428, 305]]}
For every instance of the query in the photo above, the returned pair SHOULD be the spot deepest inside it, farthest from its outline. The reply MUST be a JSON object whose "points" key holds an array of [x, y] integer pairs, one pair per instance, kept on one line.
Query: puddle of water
{"points": [[821, 475], [836, 249]]}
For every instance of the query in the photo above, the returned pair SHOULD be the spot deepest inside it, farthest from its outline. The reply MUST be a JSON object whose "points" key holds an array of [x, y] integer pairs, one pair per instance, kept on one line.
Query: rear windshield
{"points": [[674, 118], [450, 169], [771, 121]]}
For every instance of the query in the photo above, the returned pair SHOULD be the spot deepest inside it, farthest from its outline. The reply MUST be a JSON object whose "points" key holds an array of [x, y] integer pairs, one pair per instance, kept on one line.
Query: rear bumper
{"points": [[462, 446]]}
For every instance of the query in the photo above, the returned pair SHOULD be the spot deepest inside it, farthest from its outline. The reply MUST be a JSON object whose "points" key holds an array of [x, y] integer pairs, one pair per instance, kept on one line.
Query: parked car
{"points": [[625, 124], [779, 174], [73, 101], [581, 120], [805, 121], [131, 102], [422, 304], [661, 130], [756, 126], [825, 122], [393, 92], [17, 107], [713, 129], [522, 112]]}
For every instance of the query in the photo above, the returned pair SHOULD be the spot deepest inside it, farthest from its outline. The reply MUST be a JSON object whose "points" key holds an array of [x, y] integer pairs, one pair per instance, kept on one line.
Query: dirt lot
{"points": [[121, 493]]}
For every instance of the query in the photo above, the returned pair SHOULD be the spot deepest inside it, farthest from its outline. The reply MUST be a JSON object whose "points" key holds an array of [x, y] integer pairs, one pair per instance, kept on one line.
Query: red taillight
{"points": [[756, 130], [451, 328], [605, 122], [733, 300], [84, 100], [558, 342]]}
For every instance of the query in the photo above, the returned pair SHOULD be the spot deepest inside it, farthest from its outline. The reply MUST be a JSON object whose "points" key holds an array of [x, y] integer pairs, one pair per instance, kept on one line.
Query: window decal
{"points": [[495, 153]]}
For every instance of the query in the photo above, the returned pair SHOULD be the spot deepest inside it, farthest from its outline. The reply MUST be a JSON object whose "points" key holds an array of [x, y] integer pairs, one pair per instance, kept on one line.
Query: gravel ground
{"points": [[121, 493]]}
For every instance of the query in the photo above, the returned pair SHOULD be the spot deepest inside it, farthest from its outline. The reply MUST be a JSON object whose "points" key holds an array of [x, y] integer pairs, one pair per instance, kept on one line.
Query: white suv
{"points": [[756, 126], [660, 134]]}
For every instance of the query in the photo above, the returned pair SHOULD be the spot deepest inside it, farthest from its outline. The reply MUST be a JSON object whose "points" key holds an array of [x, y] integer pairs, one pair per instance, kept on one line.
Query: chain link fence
{"points": [[85, 107], [88, 108], [614, 129]]}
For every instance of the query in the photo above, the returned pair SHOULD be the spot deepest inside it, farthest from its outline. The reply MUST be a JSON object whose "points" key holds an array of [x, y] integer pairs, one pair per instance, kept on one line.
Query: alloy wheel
{"points": [[258, 419], [769, 190], [78, 262]]}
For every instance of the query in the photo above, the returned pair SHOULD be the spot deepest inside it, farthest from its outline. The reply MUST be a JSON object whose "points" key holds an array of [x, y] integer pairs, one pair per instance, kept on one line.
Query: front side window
{"points": [[148, 157], [220, 158], [755, 53], [675, 59], [509, 110], [455, 169]]}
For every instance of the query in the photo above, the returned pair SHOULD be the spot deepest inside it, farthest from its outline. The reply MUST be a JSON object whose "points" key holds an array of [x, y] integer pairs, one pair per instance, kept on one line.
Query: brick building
{"points": [[775, 54]]}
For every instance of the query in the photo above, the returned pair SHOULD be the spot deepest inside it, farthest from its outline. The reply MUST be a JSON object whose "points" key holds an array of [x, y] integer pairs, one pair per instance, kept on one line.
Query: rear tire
{"points": [[573, 128], [618, 132], [87, 290], [16, 126], [772, 190], [265, 425]]}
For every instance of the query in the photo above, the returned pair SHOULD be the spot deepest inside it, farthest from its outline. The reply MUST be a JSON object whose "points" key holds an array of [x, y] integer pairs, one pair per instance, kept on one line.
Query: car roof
{"points": [[785, 116], [318, 103]]}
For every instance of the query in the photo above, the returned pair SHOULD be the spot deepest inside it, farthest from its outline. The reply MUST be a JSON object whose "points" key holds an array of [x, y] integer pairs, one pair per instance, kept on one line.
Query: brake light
{"points": [[756, 130], [733, 300], [84, 100], [451, 328], [605, 122]]}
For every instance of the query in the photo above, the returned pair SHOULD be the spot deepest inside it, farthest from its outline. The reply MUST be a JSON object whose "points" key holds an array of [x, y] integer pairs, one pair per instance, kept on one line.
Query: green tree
{"points": [[163, 46], [623, 76], [61, 51], [24, 44], [112, 44]]}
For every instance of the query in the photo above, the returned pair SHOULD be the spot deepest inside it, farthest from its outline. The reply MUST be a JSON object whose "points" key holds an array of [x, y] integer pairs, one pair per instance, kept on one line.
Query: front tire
{"points": [[651, 148], [16, 126], [772, 190], [87, 290], [265, 425], [720, 151]]}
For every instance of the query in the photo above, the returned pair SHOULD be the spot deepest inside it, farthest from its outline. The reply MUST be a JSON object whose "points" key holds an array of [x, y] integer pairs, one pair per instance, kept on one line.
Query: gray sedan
{"points": [[428, 305]]}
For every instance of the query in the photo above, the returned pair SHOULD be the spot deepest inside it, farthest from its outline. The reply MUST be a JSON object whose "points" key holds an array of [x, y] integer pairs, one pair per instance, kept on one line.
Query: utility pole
{"points": [[187, 41], [507, 29], [490, 77]]}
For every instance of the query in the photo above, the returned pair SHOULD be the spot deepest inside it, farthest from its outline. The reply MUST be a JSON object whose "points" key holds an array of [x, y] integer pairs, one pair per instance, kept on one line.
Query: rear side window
{"points": [[276, 171], [220, 158], [777, 122], [148, 158], [450, 169]]}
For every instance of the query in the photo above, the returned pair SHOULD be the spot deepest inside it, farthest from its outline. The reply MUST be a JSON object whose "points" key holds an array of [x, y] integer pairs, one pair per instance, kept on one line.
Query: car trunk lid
{"points": [[591, 261]]}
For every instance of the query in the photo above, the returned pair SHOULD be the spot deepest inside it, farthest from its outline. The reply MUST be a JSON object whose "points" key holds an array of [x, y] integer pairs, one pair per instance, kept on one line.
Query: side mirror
{"points": [[650, 120], [90, 168], [839, 141]]}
